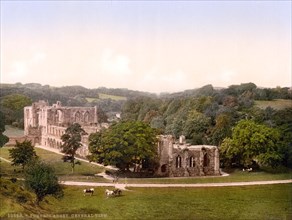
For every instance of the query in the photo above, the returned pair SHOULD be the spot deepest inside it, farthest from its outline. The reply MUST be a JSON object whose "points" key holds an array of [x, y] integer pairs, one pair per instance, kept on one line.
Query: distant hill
{"points": [[109, 100]]}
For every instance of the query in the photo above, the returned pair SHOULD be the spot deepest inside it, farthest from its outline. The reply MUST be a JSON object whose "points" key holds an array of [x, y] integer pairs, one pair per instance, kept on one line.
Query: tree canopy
{"points": [[124, 144], [3, 138], [253, 143], [42, 180], [22, 153], [72, 142]]}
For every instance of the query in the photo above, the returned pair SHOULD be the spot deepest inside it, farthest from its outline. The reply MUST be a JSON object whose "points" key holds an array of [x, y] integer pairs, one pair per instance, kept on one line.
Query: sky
{"points": [[154, 46]]}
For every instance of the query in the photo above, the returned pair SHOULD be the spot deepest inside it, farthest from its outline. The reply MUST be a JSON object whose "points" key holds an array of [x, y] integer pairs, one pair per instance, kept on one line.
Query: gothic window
{"points": [[27, 113], [86, 117], [163, 168], [77, 117], [206, 160], [178, 161], [192, 162], [60, 116]]}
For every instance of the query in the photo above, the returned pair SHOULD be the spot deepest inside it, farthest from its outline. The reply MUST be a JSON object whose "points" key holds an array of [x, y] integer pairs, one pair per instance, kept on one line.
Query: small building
{"points": [[179, 159], [45, 124]]}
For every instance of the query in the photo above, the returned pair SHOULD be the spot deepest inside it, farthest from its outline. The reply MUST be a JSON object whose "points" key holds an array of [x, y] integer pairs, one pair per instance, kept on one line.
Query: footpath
{"points": [[123, 186]]}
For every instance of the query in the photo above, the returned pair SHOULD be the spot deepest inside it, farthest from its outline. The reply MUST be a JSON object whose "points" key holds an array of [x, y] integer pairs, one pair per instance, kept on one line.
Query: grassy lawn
{"points": [[83, 172], [250, 202], [277, 104], [237, 176]]}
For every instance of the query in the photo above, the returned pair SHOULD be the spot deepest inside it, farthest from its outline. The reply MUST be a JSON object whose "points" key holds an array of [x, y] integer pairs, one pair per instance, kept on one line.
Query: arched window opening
{"points": [[163, 168], [60, 116], [77, 117], [206, 160], [192, 162], [178, 161], [86, 117]]}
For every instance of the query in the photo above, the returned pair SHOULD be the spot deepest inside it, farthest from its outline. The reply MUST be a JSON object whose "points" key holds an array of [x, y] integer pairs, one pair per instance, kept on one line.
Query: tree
{"points": [[196, 126], [3, 138], [22, 153], [222, 129], [42, 180], [12, 106], [125, 144], [71, 142], [252, 143]]}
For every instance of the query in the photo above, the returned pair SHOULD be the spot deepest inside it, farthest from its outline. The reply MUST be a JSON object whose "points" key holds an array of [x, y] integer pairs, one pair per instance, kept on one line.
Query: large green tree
{"points": [[196, 126], [22, 153], [124, 144], [42, 180], [72, 142], [222, 129], [252, 143], [12, 105], [3, 138]]}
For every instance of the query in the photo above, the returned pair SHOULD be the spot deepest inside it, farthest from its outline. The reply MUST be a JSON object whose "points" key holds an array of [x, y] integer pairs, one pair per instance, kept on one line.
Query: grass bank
{"points": [[250, 202], [84, 171]]}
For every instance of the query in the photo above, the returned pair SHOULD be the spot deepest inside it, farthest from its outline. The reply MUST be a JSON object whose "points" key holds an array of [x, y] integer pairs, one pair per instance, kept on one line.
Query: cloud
{"points": [[155, 79], [115, 64], [20, 70]]}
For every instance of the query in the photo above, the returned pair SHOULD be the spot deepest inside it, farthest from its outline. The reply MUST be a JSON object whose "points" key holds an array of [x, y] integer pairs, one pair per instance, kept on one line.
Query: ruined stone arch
{"points": [[192, 161], [178, 161], [163, 168], [77, 117], [86, 117], [206, 160], [60, 116]]}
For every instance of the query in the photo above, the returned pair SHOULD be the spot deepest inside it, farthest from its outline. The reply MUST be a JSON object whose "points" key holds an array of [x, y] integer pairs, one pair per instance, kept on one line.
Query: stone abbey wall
{"points": [[46, 124], [179, 159]]}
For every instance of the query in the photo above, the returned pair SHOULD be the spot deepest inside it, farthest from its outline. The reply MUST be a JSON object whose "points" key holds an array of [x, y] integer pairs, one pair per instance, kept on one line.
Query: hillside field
{"points": [[250, 202], [277, 104], [106, 96]]}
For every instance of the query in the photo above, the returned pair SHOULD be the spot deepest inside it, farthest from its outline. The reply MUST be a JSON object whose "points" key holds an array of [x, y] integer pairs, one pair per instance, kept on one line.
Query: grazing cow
{"points": [[248, 170], [117, 192], [109, 193], [88, 191]]}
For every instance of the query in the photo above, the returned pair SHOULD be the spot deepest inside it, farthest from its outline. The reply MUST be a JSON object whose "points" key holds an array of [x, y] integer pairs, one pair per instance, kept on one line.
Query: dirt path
{"points": [[80, 159], [149, 185], [8, 161]]}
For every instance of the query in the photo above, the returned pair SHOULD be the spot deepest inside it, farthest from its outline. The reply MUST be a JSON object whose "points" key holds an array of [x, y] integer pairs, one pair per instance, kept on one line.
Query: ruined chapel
{"points": [[179, 159]]}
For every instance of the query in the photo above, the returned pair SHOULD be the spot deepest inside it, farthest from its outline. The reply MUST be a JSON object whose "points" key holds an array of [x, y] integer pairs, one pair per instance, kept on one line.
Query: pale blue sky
{"points": [[146, 45]]}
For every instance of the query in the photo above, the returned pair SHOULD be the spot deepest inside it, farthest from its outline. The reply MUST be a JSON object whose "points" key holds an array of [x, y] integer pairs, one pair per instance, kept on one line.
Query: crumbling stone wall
{"points": [[46, 124], [184, 160]]}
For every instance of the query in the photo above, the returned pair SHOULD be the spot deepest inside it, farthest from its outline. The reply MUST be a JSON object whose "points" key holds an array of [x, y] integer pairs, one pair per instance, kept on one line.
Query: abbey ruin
{"points": [[45, 124], [179, 159]]}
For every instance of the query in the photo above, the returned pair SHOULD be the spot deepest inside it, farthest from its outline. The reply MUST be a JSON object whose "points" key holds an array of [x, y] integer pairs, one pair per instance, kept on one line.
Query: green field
{"points": [[277, 104], [244, 202], [250, 202], [83, 172], [106, 96], [86, 171]]}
